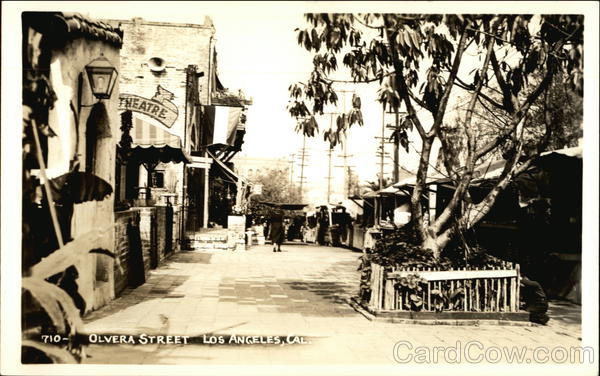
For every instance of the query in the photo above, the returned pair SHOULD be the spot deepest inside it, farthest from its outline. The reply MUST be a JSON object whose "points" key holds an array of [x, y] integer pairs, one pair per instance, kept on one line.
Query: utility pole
{"points": [[347, 168], [396, 153], [344, 149], [344, 142], [329, 153], [379, 154], [394, 128], [292, 169], [382, 149], [303, 155]]}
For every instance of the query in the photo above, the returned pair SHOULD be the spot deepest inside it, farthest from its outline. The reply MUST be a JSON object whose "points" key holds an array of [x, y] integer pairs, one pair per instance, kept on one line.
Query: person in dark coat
{"points": [[276, 231], [535, 300]]}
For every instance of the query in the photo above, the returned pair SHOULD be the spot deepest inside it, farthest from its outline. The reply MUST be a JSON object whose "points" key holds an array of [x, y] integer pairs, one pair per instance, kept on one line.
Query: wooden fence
{"points": [[459, 290]]}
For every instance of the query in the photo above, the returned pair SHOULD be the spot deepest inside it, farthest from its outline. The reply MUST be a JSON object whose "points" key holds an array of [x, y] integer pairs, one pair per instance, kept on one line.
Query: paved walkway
{"points": [[298, 295]]}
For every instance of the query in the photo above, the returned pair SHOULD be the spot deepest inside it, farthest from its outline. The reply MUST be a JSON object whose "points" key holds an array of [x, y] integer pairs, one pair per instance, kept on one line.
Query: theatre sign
{"points": [[159, 107]]}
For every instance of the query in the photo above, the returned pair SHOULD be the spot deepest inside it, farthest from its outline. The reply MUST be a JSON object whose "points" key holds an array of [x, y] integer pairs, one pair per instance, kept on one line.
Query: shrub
{"points": [[401, 250]]}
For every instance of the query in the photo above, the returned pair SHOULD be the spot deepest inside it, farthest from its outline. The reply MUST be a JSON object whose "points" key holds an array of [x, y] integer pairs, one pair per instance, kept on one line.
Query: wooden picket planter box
{"points": [[488, 294]]}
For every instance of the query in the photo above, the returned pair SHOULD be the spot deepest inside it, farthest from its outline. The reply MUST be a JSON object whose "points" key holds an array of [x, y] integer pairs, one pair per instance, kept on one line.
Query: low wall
{"points": [[164, 245], [144, 237], [123, 266], [358, 237], [148, 236]]}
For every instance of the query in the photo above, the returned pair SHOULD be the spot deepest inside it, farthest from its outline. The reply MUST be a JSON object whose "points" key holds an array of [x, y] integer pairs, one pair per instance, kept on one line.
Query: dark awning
{"points": [[152, 144], [284, 206]]}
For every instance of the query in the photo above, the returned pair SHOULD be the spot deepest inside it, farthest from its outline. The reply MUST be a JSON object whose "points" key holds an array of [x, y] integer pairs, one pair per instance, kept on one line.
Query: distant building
{"points": [[250, 167]]}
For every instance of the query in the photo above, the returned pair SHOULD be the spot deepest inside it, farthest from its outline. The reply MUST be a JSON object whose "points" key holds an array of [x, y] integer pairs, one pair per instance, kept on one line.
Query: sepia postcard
{"points": [[312, 187]]}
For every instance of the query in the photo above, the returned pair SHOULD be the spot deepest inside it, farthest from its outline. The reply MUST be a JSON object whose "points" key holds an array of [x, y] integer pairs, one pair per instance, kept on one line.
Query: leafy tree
{"points": [[276, 187], [417, 60]]}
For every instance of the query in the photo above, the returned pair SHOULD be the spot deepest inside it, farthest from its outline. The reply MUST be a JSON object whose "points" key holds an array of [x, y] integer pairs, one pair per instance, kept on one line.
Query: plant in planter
{"points": [[447, 299], [412, 286], [365, 277]]}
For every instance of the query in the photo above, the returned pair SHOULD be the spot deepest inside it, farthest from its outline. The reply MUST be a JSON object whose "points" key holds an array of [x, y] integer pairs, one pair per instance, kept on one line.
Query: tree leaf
{"points": [[408, 40], [69, 254], [57, 354], [416, 40], [355, 101], [476, 78], [400, 39], [315, 39], [56, 302]]}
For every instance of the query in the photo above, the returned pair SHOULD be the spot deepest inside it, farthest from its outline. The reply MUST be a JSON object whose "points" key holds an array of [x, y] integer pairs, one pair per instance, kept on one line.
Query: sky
{"points": [[258, 53]]}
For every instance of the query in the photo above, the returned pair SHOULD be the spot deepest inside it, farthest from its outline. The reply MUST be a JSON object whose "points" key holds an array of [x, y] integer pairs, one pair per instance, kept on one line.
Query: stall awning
{"points": [[226, 169], [152, 144], [411, 180], [284, 206], [493, 170]]}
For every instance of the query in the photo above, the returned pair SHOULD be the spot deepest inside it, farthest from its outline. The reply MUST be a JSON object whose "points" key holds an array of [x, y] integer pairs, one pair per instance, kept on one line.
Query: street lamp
{"points": [[102, 76]]}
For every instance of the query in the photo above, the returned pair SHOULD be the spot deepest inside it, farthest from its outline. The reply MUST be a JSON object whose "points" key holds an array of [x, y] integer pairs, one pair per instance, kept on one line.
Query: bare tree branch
{"points": [[439, 116], [401, 83], [460, 83], [366, 81], [416, 99], [470, 165], [357, 18], [488, 34]]}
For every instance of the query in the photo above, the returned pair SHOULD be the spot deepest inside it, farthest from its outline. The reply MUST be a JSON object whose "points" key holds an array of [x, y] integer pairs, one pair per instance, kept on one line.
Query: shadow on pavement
{"points": [[158, 286]]}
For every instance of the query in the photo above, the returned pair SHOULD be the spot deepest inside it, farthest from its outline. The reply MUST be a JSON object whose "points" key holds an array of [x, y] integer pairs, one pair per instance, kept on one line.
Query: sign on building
{"points": [[159, 107]]}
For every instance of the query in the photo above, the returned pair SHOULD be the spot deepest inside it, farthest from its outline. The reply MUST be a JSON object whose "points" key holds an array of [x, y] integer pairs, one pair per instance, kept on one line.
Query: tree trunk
{"points": [[415, 200], [430, 242]]}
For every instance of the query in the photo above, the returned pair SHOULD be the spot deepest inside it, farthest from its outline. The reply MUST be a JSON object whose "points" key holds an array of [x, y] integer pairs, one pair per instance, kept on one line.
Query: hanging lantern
{"points": [[102, 76]]}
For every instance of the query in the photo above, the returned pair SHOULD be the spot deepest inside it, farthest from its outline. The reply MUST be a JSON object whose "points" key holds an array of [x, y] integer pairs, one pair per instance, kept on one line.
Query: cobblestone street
{"points": [[302, 292]]}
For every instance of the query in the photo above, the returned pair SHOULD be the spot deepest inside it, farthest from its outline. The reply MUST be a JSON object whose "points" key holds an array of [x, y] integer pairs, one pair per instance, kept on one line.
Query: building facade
{"points": [[185, 126], [250, 167], [75, 143]]}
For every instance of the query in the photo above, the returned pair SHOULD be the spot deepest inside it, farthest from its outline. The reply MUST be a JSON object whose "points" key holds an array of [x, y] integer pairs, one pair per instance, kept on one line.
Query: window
{"points": [[157, 179]]}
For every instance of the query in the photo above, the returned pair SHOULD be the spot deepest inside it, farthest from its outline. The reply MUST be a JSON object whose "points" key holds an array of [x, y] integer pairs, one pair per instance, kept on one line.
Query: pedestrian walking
{"points": [[276, 232]]}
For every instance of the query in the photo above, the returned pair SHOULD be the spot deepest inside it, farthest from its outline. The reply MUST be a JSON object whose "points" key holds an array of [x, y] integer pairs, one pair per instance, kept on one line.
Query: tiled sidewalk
{"points": [[299, 292]]}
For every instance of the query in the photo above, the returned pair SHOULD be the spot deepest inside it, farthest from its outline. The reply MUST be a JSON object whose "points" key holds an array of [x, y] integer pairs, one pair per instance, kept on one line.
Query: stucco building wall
{"points": [[96, 284]]}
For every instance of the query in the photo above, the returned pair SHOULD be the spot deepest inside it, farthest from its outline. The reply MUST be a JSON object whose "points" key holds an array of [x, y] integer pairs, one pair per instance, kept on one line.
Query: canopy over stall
{"points": [[152, 145], [284, 206]]}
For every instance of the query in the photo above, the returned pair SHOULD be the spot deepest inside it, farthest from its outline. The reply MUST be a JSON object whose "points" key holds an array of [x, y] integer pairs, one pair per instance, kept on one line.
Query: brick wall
{"points": [[148, 248], [164, 248], [153, 253], [122, 248], [179, 45], [176, 224]]}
